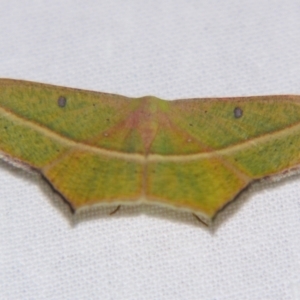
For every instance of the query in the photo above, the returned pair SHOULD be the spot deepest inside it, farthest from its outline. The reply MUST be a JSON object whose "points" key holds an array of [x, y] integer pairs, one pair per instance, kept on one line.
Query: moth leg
{"points": [[200, 220], [115, 210]]}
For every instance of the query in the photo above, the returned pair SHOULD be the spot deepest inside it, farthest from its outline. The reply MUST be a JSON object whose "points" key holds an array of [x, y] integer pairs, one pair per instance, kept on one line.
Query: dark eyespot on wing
{"points": [[62, 101], [238, 112]]}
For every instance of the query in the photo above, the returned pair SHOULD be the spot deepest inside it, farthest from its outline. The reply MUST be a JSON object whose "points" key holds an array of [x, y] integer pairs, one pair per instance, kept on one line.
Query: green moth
{"points": [[192, 154]]}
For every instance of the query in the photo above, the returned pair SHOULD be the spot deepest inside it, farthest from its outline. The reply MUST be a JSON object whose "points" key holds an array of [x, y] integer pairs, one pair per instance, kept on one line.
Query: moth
{"points": [[192, 154]]}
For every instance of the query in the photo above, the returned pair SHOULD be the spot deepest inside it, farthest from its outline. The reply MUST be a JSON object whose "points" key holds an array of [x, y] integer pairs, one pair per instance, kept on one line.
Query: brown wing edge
{"points": [[273, 178]]}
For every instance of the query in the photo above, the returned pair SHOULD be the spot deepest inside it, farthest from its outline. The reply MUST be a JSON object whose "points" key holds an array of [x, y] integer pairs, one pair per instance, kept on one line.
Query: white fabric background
{"points": [[170, 49]]}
